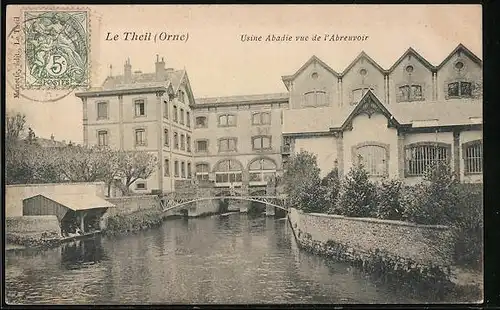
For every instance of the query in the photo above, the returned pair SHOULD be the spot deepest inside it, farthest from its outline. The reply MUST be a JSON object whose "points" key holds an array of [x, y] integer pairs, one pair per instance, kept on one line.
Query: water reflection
{"points": [[83, 252], [236, 258]]}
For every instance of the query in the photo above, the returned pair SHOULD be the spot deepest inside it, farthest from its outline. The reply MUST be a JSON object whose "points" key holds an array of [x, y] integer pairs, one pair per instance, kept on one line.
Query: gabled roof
{"points": [[370, 60], [464, 50], [369, 105], [77, 202], [185, 78], [411, 51], [311, 60]]}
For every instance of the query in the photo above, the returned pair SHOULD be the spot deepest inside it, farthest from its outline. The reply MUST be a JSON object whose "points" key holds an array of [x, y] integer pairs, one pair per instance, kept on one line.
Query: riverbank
{"points": [[134, 221], [389, 251], [123, 223]]}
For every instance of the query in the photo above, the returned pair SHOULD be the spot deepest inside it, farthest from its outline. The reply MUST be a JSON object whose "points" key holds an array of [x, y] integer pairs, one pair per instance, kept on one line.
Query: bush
{"points": [[390, 199], [357, 197], [331, 182], [434, 200], [468, 226]]}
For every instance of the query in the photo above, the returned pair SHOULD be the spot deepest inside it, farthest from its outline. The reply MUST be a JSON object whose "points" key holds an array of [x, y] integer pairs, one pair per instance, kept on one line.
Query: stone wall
{"points": [[131, 204], [32, 230], [421, 244], [15, 194]]}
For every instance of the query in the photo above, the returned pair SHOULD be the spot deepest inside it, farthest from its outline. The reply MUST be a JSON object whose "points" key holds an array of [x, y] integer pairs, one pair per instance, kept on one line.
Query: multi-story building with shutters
{"points": [[396, 120]]}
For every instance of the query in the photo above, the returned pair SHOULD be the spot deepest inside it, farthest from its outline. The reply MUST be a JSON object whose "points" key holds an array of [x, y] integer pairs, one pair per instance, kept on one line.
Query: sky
{"points": [[220, 64]]}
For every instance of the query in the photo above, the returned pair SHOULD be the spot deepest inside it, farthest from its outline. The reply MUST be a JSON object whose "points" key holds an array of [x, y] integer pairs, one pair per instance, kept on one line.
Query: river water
{"points": [[219, 259]]}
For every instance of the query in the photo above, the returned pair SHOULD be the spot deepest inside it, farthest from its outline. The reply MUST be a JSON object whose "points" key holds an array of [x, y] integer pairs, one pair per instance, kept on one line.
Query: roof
{"points": [[287, 78], [311, 60], [446, 112], [49, 142], [243, 98], [140, 80], [463, 49], [318, 119], [370, 60], [413, 52], [77, 202]]}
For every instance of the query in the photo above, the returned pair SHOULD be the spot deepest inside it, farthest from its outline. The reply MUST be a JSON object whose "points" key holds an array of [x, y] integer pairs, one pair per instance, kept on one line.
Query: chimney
{"points": [[52, 137], [127, 71], [160, 68]]}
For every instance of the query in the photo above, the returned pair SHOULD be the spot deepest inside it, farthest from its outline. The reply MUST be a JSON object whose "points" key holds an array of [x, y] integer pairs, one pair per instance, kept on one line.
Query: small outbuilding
{"points": [[74, 211]]}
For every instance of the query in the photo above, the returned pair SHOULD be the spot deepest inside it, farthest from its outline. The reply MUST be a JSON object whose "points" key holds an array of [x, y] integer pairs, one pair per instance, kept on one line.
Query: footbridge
{"points": [[178, 202]]}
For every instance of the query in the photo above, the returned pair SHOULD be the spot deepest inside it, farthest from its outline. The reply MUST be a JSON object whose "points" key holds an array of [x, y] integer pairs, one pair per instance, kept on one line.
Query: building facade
{"points": [[396, 121], [149, 112]]}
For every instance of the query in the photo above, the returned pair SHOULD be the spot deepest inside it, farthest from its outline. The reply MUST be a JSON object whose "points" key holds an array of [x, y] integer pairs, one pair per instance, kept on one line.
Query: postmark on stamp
{"points": [[57, 49]]}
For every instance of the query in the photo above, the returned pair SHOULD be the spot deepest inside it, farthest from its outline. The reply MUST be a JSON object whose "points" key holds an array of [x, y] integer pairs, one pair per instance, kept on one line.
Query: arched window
{"points": [[459, 89], [227, 120], [358, 93], [419, 156], [473, 157], [409, 92], [315, 98], [373, 157], [261, 118], [228, 171], [202, 172], [261, 142], [261, 170]]}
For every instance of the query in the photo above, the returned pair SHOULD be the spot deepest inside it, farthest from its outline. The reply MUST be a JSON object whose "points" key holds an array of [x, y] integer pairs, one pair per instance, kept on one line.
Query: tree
{"points": [[17, 170], [302, 183], [357, 196], [84, 164], [134, 165], [14, 127]]}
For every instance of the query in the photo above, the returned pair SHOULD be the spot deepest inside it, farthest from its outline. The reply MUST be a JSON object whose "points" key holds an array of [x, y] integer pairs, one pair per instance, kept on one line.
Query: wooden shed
{"points": [[72, 210]]}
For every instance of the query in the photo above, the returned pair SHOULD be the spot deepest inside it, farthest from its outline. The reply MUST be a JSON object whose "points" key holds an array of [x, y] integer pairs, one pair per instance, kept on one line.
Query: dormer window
{"points": [[459, 89], [409, 92]]}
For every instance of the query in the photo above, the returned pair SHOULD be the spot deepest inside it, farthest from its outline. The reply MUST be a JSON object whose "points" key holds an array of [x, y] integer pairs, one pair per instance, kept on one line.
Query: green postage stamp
{"points": [[57, 49]]}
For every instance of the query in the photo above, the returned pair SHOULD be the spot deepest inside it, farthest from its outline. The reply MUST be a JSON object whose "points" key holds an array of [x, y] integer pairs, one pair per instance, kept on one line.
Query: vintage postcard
{"points": [[243, 154]]}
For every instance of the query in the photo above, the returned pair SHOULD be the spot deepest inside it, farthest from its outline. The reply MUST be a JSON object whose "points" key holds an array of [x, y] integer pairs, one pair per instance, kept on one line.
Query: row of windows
{"points": [[418, 157], [229, 120], [185, 141], [141, 139], [181, 169], [178, 115], [405, 93], [103, 109], [230, 171], [140, 110], [230, 144]]}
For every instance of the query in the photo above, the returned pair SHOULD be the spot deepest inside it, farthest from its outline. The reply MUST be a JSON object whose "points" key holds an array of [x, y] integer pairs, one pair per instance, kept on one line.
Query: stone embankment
{"points": [[419, 254], [132, 214], [32, 231]]}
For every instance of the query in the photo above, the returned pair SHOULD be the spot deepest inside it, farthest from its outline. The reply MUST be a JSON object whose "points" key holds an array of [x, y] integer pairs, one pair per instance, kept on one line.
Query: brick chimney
{"points": [[160, 68], [127, 71]]}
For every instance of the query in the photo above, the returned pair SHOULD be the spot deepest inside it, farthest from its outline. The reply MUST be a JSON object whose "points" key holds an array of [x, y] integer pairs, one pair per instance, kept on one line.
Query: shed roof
{"points": [[77, 202]]}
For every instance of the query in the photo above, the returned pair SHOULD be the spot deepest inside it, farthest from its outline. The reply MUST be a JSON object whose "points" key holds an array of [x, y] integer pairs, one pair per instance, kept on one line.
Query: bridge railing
{"points": [[171, 200]]}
